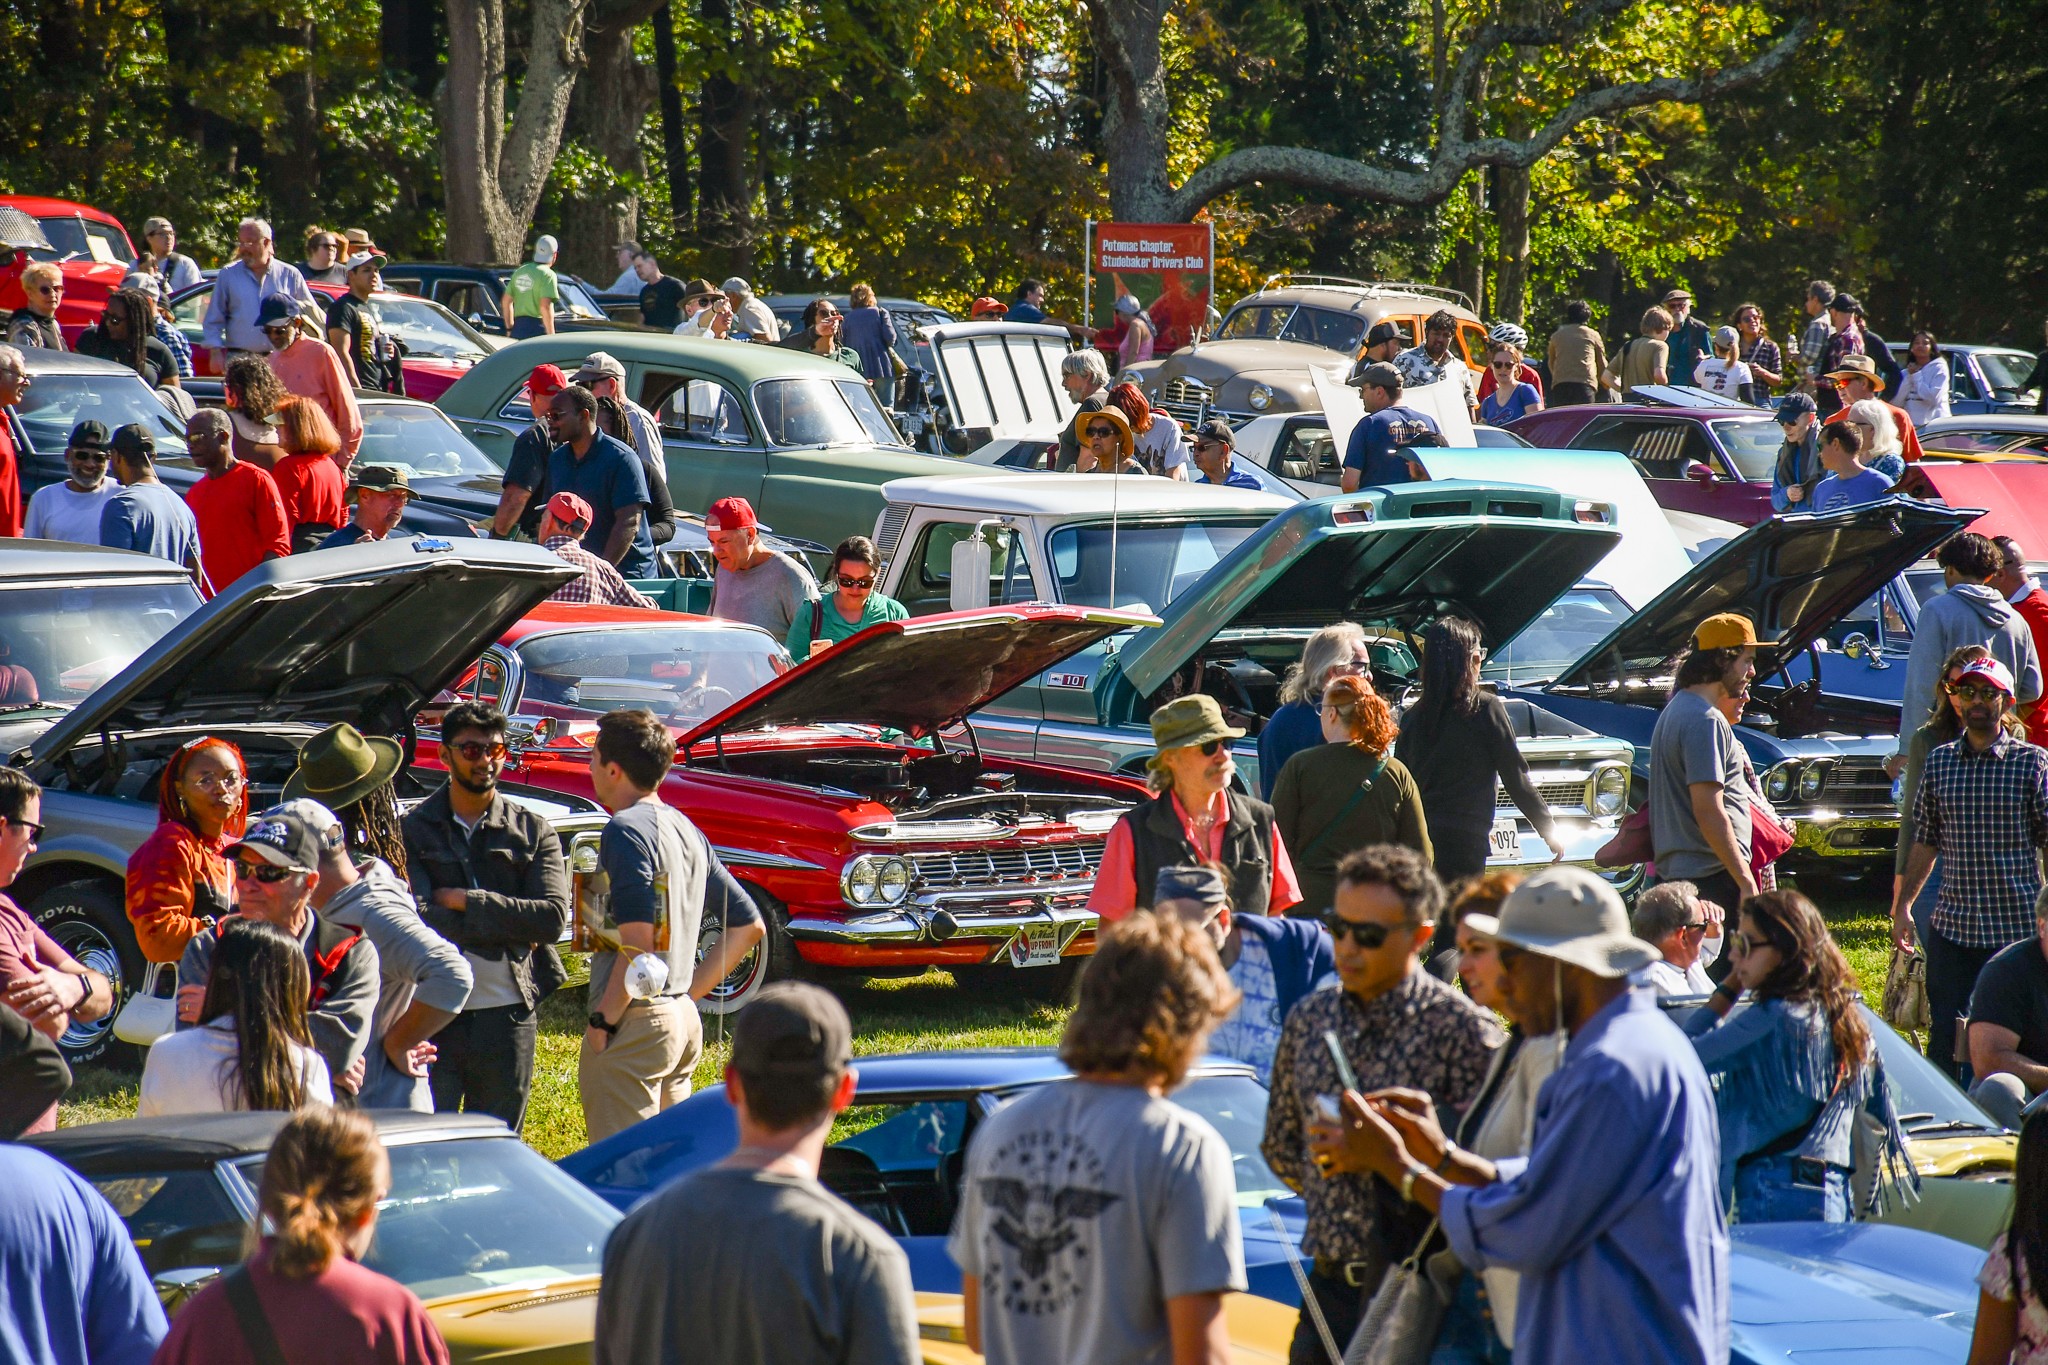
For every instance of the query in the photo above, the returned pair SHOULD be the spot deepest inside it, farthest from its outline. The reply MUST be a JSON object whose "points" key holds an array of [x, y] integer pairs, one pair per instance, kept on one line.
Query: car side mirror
{"points": [[971, 565], [1860, 648], [475, 320], [1698, 472], [174, 1287]]}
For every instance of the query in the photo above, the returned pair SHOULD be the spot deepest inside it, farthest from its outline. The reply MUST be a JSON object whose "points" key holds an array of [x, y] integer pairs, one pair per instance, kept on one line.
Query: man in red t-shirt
{"points": [[2026, 597], [13, 379], [241, 518]]}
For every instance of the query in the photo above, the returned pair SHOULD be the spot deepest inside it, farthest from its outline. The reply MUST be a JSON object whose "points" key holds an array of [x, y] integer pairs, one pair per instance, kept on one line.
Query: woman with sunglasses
{"points": [[181, 880], [34, 324], [1348, 792], [822, 335], [851, 605], [1944, 726], [1513, 397], [252, 1048], [1107, 444], [1793, 1070]]}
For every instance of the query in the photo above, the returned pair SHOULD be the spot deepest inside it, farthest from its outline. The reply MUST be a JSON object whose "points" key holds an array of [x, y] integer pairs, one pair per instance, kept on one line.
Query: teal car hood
{"points": [[1497, 553], [1792, 576]]}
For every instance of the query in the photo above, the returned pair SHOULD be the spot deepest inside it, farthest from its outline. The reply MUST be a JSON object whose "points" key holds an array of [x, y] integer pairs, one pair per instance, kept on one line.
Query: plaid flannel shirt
{"points": [[1813, 344], [1987, 814], [181, 349], [601, 584]]}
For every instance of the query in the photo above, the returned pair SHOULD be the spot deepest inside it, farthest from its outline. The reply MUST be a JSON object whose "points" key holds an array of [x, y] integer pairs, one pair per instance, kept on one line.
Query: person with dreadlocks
{"points": [[350, 773], [180, 881], [126, 335]]}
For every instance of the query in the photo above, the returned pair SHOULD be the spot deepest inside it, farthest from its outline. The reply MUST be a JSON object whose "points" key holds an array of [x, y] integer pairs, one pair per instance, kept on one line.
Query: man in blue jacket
{"points": [[1273, 961]]}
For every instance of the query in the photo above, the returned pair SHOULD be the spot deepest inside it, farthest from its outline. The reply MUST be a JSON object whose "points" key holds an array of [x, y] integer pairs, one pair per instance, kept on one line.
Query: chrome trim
{"points": [[1816, 836], [913, 926], [780, 862], [1070, 889]]}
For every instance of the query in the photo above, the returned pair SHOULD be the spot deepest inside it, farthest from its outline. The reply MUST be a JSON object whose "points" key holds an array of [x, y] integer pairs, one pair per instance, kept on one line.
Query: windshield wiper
{"points": [[1952, 1125]]}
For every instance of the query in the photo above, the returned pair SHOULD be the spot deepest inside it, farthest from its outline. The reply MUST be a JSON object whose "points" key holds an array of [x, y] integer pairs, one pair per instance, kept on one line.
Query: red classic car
{"points": [[89, 244], [1716, 460], [844, 791]]}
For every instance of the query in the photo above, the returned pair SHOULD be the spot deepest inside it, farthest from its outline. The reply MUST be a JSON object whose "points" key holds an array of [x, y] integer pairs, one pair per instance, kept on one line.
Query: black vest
{"points": [[1158, 840]]}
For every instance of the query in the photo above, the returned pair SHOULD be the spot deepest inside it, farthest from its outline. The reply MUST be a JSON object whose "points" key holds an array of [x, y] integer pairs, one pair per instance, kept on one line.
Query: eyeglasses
{"points": [[1975, 692], [225, 782], [1366, 936], [1101, 433], [1741, 944], [856, 584], [35, 831], [260, 872], [50, 289], [472, 750]]}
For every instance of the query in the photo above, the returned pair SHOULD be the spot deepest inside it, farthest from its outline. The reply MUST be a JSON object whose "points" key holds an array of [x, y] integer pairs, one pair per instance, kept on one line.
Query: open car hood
{"points": [[1003, 378], [363, 634], [1499, 554], [2013, 494], [1793, 576], [923, 674]]}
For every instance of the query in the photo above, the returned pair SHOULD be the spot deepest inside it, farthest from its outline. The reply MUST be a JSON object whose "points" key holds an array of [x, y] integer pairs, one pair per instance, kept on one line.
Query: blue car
{"points": [[1890, 1295]]}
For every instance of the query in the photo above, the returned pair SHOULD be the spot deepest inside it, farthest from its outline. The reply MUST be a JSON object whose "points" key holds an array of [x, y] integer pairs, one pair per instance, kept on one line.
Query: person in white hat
{"points": [[531, 292], [1614, 1219], [749, 315]]}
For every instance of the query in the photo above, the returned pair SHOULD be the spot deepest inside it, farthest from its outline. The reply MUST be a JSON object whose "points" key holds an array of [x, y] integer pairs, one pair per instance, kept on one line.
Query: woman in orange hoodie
{"points": [[179, 881]]}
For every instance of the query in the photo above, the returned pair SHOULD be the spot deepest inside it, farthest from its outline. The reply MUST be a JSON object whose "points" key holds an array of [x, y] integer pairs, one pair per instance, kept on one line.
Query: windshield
{"points": [[425, 329], [421, 439], [71, 639], [1325, 327], [1154, 563], [478, 1213], [2006, 371], [57, 401], [1926, 1099], [677, 672], [1235, 1107], [1573, 624], [80, 238], [1753, 446], [816, 411], [577, 298]]}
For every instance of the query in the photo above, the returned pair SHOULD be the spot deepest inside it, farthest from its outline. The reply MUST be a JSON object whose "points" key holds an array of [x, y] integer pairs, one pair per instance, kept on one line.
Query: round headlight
{"points": [[1260, 397], [583, 855], [1608, 791], [893, 881], [862, 881], [1812, 778], [1778, 781]]}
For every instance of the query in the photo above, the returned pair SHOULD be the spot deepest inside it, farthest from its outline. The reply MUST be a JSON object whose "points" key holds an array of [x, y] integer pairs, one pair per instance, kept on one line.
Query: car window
{"points": [[811, 411], [188, 314], [425, 329], [71, 639], [1255, 322], [1657, 448], [79, 238], [57, 401], [1309, 453], [860, 396], [701, 411], [2005, 372], [464, 297], [927, 586], [1967, 442], [677, 672], [902, 1137], [421, 439], [1752, 446], [519, 407], [1327, 328], [485, 682], [178, 1220], [1153, 564], [1570, 626], [1472, 341]]}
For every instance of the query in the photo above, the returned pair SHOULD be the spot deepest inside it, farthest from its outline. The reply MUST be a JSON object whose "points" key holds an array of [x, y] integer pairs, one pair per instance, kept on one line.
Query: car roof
{"points": [[2018, 423], [42, 360], [988, 1069], [61, 559], [1349, 294], [193, 1141], [744, 361], [550, 616], [1033, 494], [800, 301]]}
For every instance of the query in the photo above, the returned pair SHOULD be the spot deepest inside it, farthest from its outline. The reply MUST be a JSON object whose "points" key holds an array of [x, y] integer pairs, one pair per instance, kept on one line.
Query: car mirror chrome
{"points": [[1860, 648], [174, 1287], [1698, 472]]}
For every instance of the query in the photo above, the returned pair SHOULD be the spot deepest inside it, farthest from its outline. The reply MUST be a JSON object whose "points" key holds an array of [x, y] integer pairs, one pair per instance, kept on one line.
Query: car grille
{"points": [[1186, 399], [1858, 780], [982, 869], [891, 530], [1559, 796]]}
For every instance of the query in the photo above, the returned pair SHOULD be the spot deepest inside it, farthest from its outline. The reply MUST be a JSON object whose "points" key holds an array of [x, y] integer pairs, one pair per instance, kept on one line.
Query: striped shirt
{"points": [[1986, 812]]}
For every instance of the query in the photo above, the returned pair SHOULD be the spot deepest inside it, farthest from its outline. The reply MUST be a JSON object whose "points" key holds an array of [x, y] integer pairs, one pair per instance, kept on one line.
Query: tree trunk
{"points": [[725, 117], [293, 170], [675, 153], [492, 175], [1511, 212], [611, 104], [1136, 111], [408, 43]]}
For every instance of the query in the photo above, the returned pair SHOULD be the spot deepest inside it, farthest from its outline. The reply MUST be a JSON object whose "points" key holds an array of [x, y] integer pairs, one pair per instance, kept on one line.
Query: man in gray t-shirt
{"points": [[1699, 787], [753, 583]]}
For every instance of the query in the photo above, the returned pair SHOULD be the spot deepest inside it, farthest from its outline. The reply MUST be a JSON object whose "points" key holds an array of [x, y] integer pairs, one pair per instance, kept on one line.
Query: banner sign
{"points": [[1168, 268]]}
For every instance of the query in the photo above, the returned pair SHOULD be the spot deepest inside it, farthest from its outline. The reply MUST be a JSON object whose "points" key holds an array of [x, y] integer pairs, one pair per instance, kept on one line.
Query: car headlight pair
{"points": [[1260, 397], [875, 879], [1607, 789], [1792, 778]]}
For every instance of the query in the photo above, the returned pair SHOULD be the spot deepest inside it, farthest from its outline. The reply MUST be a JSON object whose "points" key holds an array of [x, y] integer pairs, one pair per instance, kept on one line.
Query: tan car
{"points": [[1260, 359]]}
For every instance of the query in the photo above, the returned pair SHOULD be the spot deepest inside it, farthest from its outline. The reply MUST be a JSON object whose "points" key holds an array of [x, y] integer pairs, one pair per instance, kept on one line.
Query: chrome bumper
{"points": [[1828, 835], [952, 918]]}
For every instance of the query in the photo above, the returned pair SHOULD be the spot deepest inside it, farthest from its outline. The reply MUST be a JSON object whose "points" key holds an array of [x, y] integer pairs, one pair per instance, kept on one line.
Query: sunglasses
{"points": [[1742, 944], [35, 831], [260, 872], [1367, 936], [49, 289], [1503, 364], [472, 750], [1099, 433], [1212, 747], [856, 584], [1975, 692]]}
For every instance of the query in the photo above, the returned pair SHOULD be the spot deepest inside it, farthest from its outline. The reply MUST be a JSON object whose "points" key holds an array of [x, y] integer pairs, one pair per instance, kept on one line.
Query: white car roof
{"points": [[1077, 494]]}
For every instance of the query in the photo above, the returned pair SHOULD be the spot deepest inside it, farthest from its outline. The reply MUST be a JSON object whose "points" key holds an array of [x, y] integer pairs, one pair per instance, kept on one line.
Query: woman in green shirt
{"points": [[851, 607], [1346, 793], [823, 335]]}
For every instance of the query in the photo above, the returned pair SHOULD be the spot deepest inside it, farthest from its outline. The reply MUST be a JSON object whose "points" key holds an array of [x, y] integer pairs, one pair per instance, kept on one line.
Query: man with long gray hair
{"points": [[1085, 376], [1297, 722]]}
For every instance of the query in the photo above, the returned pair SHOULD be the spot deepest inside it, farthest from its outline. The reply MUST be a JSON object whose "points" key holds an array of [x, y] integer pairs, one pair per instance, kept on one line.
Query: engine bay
{"points": [[951, 784], [130, 767]]}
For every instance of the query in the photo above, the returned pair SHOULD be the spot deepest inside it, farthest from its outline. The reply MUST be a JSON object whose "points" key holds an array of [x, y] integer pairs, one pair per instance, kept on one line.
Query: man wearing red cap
{"points": [[753, 583], [1982, 805], [525, 494], [561, 529]]}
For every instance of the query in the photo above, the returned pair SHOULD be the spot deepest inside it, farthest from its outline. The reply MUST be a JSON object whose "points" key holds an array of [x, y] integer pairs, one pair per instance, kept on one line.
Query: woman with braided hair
{"points": [[180, 881], [126, 335]]}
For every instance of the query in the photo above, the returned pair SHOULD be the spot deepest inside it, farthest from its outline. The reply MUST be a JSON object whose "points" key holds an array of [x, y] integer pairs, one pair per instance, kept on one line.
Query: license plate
{"points": [[1036, 945], [1504, 841]]}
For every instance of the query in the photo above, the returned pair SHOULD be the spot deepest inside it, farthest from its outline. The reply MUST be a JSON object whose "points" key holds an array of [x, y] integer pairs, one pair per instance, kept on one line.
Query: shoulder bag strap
{"points": [[1357, 796], [817, 620], [257, 1332]]}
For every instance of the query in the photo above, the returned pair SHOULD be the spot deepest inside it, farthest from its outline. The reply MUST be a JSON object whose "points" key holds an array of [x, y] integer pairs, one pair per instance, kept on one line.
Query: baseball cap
{"points": [[290, 835], [792, 1029], [142, 282], [1202, 885], [1384, 331], [1844, 302], [152, 226], [1379, 375], [1216, 429], [379, 478], [134, 441], [274, 310], [1792, 405], [1726, 336], [987, 307], [374, 259], [1988, 670], [91, 434], [732, 514], [569, 509], [1726, 630], [545, 248], [1126, 303], [600, 365], [545, 380]]}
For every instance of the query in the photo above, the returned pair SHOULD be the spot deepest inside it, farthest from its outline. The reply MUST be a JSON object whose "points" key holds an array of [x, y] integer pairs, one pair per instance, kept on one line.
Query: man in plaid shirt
{"points": [[561, 530], [1983, 807]]}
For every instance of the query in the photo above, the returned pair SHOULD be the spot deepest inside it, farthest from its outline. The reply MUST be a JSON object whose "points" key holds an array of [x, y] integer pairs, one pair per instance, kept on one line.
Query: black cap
{"points": [[792, 1028], [133, 443], [1383, 331], [289, 835], [91, 434], [1202, 885], [1216, 429], [1843, 303]]}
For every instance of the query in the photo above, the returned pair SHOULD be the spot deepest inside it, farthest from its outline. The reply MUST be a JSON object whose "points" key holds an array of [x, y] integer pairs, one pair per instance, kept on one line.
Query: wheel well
{"points": [[37, 880]]}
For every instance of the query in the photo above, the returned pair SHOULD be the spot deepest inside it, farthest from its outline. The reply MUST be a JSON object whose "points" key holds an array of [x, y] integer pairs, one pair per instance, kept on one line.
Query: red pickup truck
{"points": [[90, 245]]}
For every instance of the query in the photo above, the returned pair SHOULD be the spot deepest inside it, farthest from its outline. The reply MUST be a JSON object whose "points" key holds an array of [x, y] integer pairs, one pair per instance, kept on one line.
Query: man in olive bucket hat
{"points": [[1621, 1258], [1195, 818]]}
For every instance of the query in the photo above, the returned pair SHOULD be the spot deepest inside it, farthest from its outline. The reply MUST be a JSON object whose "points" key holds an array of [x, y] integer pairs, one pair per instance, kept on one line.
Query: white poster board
{"points": [[1444, 400]]}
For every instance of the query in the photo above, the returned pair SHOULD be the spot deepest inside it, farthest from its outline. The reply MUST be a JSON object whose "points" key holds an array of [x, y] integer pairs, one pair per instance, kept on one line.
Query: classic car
{"points": [[2013, 435], [991, 391], [1713, 457], [439, 347], [473, 292], [868, 824], [366, 634], [502, 1247], [88, 244], [1983, 379], [1240, 590], [1260, 358], [1891, 1295], [799, 436], [1819, 753]]}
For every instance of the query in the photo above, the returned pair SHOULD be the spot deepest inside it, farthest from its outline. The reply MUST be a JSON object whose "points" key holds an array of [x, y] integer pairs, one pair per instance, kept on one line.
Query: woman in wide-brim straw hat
{"points": [[1106, 443], [350, 773], [1195, 817]]}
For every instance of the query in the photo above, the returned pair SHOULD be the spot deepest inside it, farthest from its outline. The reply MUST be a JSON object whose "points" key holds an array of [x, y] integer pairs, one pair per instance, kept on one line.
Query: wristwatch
{"points": [[597, 1021]]}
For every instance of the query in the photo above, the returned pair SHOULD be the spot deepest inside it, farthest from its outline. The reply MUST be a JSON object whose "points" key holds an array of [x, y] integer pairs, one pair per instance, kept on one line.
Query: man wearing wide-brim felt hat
{"points": [[350, 773]]}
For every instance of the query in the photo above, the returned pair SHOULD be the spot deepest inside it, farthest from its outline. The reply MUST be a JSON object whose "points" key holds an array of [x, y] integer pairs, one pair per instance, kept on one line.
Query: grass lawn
{"points": [[925, 1013]]}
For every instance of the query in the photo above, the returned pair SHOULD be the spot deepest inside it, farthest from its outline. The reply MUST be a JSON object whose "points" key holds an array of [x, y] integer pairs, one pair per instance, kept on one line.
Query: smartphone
{"points": [[1327, 1109], [1344, 1071]]}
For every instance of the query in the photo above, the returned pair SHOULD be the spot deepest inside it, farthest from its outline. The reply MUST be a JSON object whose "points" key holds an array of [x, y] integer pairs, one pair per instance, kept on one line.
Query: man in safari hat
{"points": [[379, 494], [1699, 797], [1623, 1257]]}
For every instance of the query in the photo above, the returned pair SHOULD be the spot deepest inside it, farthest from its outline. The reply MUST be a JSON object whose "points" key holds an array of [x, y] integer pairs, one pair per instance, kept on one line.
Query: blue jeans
{"points": [[522, 328], [1768, 1191], [1468, 1336], [1922, 908]]}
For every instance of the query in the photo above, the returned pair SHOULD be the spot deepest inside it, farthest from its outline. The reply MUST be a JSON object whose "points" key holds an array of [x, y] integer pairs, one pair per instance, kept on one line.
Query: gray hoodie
{"points": [[1967, 614], [413, 963]]}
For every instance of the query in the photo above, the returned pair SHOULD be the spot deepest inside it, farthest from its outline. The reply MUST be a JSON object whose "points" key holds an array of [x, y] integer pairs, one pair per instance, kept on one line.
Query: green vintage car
{"points": [[799, 436]]}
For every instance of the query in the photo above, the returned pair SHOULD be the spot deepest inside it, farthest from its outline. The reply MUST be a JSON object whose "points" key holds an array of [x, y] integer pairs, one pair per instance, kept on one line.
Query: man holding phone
{"points": [[1395, 1024]]}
